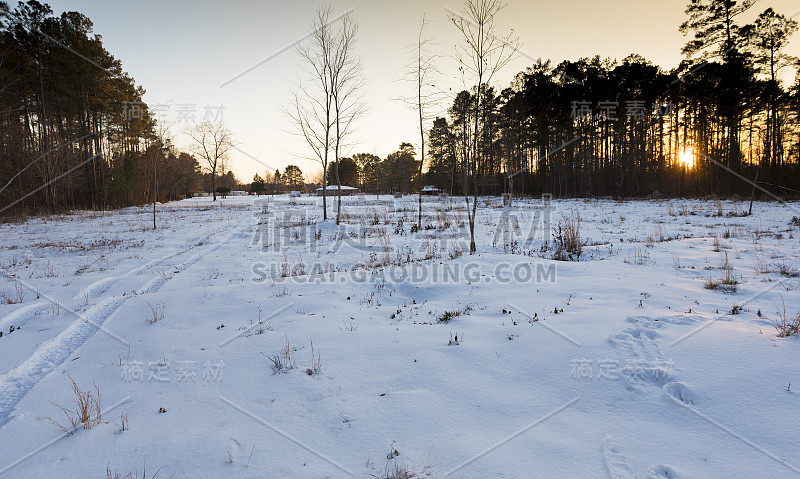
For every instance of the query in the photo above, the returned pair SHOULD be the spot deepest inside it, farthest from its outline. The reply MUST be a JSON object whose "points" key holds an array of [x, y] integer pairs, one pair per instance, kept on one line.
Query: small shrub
{"points": [[448, 315], [787, 270]]}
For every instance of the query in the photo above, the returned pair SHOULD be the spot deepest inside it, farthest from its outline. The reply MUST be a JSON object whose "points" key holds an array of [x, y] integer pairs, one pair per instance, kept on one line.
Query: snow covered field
{"points": [[247, 338]]}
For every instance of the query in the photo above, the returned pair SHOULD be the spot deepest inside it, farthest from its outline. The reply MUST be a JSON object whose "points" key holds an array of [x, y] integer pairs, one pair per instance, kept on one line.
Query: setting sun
{"points": [[686, 157]]}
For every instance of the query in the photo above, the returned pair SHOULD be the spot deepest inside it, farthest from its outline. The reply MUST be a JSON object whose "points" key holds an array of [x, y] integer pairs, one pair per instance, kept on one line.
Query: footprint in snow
{"points": [[679, 392], [661, 472], [615, 461]]}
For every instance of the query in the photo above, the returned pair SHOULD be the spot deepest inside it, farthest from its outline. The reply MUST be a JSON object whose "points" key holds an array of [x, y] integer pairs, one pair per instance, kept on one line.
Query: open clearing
{"points": [[247, 338]]}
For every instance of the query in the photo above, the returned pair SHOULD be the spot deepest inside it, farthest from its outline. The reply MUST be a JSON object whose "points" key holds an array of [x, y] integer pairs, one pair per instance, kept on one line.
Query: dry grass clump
{"points": [[728, 277], [133, 474], [727, 282], [316, 361], [639, 256], [156, 312], [87, 411], [568, 238], [785, 269], [282, 361], [384, 240], [15, 297], [761, 266], [785, 325]]}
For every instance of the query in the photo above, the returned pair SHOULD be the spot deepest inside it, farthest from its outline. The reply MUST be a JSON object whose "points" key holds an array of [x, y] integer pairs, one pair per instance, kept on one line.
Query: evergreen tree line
{"points": [[74, 131], [629, 128]]}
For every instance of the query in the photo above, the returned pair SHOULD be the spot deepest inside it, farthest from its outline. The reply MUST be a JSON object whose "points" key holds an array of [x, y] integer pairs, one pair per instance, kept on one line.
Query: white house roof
{"points": [[334, 188]]}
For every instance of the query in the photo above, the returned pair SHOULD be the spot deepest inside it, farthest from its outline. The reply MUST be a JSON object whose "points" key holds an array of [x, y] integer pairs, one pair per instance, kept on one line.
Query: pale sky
{"points": [[181, 51]]}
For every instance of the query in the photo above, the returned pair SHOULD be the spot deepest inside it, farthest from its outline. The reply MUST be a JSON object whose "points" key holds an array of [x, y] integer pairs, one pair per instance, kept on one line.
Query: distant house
{"points": [[238, 193], [333, 190], [430, 191], [201, 194]]}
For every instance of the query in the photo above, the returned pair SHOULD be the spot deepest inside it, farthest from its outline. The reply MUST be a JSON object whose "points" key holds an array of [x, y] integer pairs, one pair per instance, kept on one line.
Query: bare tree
{"points": [[347, 87], [211, 142], [481, 56], [311, 110], [422, 72], [326, 104]]}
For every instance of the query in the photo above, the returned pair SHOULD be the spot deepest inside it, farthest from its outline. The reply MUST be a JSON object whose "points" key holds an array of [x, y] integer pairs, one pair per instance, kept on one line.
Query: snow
{"points": [[645, 372]]}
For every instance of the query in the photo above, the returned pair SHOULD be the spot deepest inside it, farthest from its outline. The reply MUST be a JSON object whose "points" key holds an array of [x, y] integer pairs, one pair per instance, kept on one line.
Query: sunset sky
{"points": [[186, 50]]}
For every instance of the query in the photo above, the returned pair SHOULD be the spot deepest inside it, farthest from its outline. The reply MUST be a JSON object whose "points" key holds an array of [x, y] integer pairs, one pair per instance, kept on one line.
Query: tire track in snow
{"points": [[99, 287], [95, 290], [155, 284], [23, 315], [17, 382]]}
